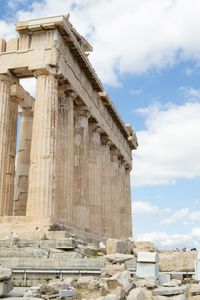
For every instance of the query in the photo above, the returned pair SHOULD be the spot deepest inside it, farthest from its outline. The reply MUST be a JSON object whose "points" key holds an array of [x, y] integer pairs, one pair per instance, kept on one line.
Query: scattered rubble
{"points": [[125, 271]]}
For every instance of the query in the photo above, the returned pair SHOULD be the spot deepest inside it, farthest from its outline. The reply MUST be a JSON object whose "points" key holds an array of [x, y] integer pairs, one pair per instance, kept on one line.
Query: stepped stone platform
{"points": [[53, 256]]}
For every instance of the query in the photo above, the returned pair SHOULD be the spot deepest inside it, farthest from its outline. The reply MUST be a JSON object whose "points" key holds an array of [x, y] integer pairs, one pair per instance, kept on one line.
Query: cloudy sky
{"points": [[147, 54]]}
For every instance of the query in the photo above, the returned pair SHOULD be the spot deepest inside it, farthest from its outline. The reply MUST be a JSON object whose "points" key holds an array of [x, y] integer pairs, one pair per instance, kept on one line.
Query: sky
{"points": [[147, 54]]}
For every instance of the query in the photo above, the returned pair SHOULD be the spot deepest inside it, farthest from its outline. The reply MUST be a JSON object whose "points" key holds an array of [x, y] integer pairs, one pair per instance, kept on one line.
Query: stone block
{"points": [[170, 291], [177, 297], [149, 257], [147, 270], [117, 246], [5, 274], [177, 261], [55, 235], [6, 287], [164, 278], [136, 294], [12, 45], [67, 293], [145, 245]]}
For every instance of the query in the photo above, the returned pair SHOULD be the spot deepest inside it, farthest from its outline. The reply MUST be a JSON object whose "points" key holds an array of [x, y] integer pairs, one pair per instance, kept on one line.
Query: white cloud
{"points": [[144, 208], [195, 216], [190, 92], [170, 241], [141, 208], [169, 148], [7, 30], [130, 36], [175, 217]]}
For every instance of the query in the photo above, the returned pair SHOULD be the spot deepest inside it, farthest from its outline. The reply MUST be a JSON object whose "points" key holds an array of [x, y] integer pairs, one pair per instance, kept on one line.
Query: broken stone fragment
{"points": [[117, 246], [6, 287], [121, 279], [118, 258], [84, 281], [110, 269], [5, 273], [34, 292], [136, 294], [87, 250], [149, 283], [178, 297], [170, 291]]}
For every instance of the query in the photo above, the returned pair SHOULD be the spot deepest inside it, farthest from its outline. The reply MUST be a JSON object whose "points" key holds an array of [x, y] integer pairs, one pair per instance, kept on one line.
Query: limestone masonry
{"points": [[74, 158]]}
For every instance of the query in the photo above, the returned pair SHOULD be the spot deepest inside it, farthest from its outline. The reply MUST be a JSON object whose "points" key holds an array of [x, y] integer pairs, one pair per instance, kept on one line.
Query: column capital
{"points": [[95, 127], [82, 111], [25, 111], [105, 140], [67, 90], [8, 77], [40, 72], [128, 167], [114, 151]]}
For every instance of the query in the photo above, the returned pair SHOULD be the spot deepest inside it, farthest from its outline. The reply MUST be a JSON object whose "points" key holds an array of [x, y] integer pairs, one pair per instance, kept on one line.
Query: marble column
{"points": [[10, 172], [122, 210], [107, 205], [23, 162], [65, 156], [128, 219], [81, 211], [5, 109], [115, 192], [42, 174], [95, 179]]}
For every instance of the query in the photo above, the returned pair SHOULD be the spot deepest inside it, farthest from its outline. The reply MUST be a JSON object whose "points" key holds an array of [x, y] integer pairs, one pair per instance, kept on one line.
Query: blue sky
{"points": [[147, 54]]}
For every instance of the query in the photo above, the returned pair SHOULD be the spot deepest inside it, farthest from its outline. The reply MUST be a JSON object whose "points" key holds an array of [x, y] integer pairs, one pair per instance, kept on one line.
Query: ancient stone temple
{"points": [[74, 153]]}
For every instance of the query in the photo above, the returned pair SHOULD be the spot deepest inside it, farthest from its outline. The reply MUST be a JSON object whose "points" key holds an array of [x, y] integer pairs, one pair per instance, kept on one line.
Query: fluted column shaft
{"points": [[10, 172], [23, 162], [115, 193], [5, 109], [42, 187], [65, 156], [81, 212], [128, 219], [95, 181], [107, 204], [122, 201]]}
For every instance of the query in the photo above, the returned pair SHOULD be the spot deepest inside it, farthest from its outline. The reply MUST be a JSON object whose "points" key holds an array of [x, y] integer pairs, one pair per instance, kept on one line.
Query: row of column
{"points": [[67, 168]]}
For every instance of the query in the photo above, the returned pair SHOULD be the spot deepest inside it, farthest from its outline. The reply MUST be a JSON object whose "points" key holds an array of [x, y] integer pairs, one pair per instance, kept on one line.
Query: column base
{"points": [[30, 228], [25, 227]]}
